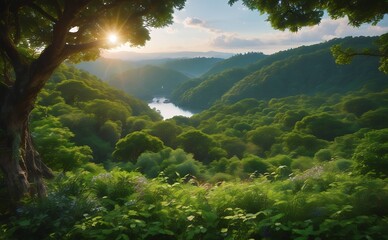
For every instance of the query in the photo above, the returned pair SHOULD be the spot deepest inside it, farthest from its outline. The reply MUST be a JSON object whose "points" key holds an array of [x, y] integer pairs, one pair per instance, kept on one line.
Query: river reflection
{"points": [[168, 109]]}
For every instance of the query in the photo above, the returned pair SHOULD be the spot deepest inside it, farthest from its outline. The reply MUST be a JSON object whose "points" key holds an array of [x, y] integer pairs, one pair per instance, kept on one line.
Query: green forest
{"points": [[298, 165], [288, 145]]}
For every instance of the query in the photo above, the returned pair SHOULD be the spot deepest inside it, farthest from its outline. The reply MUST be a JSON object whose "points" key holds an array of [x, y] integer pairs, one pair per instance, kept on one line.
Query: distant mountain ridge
{"points": [[148, 82], [135, 56], [304, 70], [236, 61], [105, 68]]}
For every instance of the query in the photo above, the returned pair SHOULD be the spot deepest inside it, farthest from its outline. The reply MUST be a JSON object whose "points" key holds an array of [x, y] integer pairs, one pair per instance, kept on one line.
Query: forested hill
{"points": [[85, 117], [304, 70], [104, 68], [192, 67], [148, 81], [238, 60]]}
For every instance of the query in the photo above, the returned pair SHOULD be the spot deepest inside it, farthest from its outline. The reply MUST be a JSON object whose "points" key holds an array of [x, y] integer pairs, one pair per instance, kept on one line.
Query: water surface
{"points": [[168, 109]]}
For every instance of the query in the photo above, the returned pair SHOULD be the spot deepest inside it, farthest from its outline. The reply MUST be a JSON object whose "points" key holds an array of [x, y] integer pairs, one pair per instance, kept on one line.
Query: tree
{"points": [[131, 146], [198, 143], [323, 126], [35, 38], [264, 136], [295, 14], [166, 131], [54, 143]]}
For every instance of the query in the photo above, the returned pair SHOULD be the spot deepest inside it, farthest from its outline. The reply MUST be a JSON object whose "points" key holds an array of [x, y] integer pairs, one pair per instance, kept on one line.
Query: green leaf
{"points": [[24, 223]]}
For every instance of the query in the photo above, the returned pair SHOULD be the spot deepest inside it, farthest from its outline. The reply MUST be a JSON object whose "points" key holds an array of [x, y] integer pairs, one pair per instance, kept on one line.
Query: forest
{"points": [[288, 145], [298, 165]]}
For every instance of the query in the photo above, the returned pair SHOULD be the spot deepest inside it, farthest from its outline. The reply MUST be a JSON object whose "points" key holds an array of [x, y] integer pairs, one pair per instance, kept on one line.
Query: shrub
{"points": [[131, 146], [344, 164], [254, 164], [323, 155], [371, 155]]}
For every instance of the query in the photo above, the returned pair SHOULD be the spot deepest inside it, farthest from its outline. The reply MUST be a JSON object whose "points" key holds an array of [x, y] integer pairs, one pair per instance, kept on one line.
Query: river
{"points": [[168, 109]]}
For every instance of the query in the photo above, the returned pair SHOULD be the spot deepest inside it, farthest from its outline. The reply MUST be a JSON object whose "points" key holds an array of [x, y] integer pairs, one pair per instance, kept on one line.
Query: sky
{"points": [[213, 25]]}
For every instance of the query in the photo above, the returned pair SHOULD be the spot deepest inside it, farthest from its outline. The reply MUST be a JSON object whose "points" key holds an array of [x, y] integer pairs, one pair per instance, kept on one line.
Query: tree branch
{"points": [[76, 48], [369, 54], [62, 26], [43, 12], [9, 48], [58, 8]]}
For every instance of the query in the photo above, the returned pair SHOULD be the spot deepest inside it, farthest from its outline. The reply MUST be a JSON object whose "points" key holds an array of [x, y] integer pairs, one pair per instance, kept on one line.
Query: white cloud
{"points": [[326, 30], [228, 41], [170, 30], [194, 22], [200, 24]]}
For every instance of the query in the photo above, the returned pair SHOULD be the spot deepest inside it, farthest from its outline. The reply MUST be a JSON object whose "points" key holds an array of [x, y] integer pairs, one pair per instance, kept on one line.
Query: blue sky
{"points": [[213, 25]]}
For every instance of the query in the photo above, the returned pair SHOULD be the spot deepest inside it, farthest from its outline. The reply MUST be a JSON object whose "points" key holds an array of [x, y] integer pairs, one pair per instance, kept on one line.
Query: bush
{"points": [[323, 155], [344, 164], [120, 205], [254, 165], [131, 146], [358, 106], [371, 155]]}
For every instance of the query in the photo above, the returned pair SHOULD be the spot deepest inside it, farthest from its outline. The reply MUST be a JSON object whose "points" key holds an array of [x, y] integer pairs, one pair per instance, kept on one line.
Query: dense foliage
{"points": [[94, 204], [296, 167], [296, 14]]}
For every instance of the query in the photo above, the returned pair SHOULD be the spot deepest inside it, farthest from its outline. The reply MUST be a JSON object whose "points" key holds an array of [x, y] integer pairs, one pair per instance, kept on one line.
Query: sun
{"points": [[112, 38]]}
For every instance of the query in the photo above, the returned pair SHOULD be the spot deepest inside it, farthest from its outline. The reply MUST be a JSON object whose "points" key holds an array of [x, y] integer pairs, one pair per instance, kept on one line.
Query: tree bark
{"points": [[22, 167]]}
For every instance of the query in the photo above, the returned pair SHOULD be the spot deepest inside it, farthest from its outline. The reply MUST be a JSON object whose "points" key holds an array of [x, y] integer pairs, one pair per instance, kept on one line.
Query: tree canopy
{"points": [[295, 14], [35, 38], [78, 28]]}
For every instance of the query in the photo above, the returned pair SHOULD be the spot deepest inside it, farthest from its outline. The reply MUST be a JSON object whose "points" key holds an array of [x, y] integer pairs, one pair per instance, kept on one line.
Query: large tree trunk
{"points": [[22, 167]]}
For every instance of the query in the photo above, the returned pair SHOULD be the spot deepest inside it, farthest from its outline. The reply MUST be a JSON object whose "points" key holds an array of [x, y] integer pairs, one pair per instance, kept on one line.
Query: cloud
{"points": [[170, 30], [194, 22], [326, 30], [233, 41], [200, 24], [329, 29]]}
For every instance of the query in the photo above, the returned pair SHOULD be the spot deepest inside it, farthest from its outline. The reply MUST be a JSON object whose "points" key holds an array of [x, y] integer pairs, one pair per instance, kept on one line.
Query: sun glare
{"points": [[112, 38]]}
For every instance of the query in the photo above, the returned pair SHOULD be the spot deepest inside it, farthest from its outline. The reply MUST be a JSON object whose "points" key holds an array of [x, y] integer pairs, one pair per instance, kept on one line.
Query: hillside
{"points": [[192, 67], [81, 110], [236, 61], [200, 94], [148, 82], [104, 68], [304, 70]]}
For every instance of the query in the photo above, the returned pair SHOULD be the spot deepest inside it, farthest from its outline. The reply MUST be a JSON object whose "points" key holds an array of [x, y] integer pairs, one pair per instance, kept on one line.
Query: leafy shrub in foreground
{"points": [[316, 204]]}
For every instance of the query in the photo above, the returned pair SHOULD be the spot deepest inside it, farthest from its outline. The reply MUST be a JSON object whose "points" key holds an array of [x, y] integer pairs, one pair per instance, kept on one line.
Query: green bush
{"points": [[371, 155], [119, 205], [255, 165], [323, 155], [134, 144], [344, 164]]}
